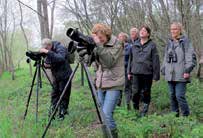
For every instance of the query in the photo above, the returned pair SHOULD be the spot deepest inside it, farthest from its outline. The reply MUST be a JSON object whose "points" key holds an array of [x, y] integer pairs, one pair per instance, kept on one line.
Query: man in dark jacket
{"points": [[56, 60], [143, 67], [134, 36]]}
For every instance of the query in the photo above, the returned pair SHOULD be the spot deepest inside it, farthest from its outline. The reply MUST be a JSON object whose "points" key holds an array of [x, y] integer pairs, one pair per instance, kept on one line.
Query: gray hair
{"points": [[46, 41], [134, 30], [179, 25]]}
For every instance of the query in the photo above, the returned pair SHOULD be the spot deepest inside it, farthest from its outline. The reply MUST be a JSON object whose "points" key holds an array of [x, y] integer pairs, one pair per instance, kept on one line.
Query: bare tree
{"points": [[6, 37], [3, 34], [52, 17], [24, 34], [44, 23]]}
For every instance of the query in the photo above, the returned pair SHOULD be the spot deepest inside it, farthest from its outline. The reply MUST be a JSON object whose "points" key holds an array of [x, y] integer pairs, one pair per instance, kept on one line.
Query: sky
{"points": [[31, 20]]}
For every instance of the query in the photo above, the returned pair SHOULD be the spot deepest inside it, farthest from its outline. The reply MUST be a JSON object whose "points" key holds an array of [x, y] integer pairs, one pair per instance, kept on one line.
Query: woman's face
{"points": [[144, 33], [103, 39], [122, 38], [175, 31]]}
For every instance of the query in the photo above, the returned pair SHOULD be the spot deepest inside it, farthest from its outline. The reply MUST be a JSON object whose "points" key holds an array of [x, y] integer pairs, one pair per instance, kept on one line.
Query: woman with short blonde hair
{"points": [[110, 71], [177, 66]]}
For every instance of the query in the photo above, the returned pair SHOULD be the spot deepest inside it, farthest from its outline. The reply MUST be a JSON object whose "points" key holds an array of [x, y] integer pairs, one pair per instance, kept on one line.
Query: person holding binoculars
{"points": [[179, 61]]}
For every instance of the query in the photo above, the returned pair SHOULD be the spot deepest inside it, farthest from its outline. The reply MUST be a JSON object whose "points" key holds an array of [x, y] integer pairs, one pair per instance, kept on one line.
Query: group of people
{"points": [[129, 66]]}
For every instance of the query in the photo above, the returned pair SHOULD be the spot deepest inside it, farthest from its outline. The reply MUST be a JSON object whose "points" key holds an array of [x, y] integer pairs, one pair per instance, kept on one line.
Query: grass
{"points": [[83, 122]]}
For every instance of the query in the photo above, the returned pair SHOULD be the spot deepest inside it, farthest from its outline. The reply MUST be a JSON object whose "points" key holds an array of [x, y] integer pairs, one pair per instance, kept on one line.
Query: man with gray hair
{"points": [[134, 35], [57, 61]]}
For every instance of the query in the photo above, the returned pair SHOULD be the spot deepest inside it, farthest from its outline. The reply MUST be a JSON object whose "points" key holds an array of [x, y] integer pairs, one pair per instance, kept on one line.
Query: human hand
{"points": [[47, 65], [186, 75], [96, 39], [43, 50], [129, 76]]}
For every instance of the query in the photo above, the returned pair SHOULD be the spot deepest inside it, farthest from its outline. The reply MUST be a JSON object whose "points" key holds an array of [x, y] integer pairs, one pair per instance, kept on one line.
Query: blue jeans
{"points": [[177, 92], [108, 100]]}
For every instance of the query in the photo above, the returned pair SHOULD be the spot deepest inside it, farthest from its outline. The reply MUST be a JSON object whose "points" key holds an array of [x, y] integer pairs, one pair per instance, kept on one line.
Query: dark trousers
{"points": [[128, 89], [141, 88], [177, 97], [56, 93]]}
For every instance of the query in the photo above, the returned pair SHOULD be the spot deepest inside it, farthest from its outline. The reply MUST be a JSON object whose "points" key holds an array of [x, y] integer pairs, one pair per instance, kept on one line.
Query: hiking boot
{"points": [[128, 107], [144, 110], [62, 113]]}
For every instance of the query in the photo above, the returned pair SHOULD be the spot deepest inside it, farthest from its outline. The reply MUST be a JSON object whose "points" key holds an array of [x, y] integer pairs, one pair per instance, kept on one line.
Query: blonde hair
{"points": [[46, 41], [102, 28], [123, 34], [179, 25]]}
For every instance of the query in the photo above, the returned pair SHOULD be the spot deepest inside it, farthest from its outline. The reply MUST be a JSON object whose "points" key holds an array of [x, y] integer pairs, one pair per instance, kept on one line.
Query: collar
{"points": [[138, 43], [180, 39]]}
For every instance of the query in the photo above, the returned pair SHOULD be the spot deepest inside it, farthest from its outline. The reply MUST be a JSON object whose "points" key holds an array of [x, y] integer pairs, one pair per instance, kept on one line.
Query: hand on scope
{"points": [[47, 65], [43, 50]]}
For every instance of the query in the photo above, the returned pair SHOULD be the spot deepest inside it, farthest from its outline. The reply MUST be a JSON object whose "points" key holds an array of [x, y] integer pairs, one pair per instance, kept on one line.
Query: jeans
{"points": [[177, 96], [108, 100]]}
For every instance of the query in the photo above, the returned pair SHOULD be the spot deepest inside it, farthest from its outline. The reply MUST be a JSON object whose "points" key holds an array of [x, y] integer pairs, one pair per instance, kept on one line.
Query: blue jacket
{"points": [[57, 58], [127, 47]]}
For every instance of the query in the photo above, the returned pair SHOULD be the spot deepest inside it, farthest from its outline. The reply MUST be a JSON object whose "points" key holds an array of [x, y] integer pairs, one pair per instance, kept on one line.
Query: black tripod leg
{"points": [[100, 113], [47, 77], [37, 91], [30, 93], [59, 101]]}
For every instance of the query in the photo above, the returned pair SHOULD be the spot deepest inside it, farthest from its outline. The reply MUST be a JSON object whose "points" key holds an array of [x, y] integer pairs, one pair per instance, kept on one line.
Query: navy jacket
{"points": [[57, 58], [127, 47]]}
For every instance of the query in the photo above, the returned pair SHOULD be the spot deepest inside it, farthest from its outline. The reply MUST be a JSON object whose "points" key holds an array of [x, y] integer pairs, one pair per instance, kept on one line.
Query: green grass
{"points": [[82, 121]]}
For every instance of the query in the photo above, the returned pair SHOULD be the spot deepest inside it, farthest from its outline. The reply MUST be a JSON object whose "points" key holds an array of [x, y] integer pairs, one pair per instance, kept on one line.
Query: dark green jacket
{"points": [[110, 65]]}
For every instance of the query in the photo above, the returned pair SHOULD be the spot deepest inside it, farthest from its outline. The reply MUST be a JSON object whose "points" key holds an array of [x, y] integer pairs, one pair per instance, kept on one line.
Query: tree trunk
{"points": [[24, 34], [52, 18], [44, 23]]}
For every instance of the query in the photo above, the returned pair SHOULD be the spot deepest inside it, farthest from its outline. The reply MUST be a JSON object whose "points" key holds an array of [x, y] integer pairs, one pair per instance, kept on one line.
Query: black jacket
{"points": [[144, 59], [57, 58]]}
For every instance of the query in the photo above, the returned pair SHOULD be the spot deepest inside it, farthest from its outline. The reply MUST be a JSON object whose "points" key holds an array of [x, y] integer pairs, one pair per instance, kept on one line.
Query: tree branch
{"points": [[30, 8]]}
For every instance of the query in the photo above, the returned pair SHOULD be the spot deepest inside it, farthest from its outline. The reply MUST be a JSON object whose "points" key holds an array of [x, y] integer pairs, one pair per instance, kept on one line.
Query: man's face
{"points": [[144, 33], [175, 31], [48, 47], [133, 35]]}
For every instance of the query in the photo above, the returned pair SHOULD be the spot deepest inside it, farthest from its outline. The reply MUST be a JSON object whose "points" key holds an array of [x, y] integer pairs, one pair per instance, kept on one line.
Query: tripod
{"points": [[38, 64], [100, 114]]}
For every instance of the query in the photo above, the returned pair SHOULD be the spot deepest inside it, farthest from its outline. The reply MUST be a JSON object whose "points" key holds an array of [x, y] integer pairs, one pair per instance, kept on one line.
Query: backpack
{"points": [[194, 57]]}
